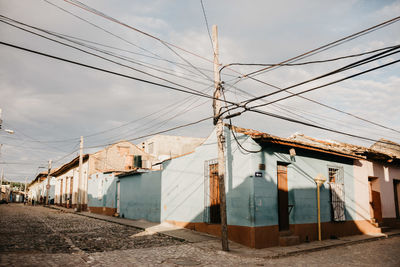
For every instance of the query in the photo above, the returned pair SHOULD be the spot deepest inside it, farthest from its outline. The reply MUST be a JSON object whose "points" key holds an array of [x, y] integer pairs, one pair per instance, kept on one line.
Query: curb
{"points": [[277, 254], [326, 247]]}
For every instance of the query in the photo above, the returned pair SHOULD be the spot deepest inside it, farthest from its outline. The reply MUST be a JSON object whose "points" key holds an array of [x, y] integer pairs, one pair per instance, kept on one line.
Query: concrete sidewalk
{"points": [[209, 242]]}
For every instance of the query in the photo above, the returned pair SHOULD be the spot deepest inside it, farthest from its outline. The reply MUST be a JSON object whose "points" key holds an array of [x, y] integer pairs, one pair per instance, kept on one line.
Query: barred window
{"points": [[336, 182]]}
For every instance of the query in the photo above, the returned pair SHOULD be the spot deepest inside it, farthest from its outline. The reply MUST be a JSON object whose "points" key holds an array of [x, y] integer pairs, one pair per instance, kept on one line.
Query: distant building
{"points": [[118, 157], [168, 146]]}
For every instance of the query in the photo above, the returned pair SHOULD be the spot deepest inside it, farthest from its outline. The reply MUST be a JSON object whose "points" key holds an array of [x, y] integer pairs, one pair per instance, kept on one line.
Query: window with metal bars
{"points": [[336, 182]]}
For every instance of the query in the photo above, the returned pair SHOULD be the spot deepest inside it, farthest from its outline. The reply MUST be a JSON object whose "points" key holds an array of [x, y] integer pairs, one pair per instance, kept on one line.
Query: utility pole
{"points": [[1, 184], [26, 180], [1, 145], [48, 183], [220, 136], [80, 180]]}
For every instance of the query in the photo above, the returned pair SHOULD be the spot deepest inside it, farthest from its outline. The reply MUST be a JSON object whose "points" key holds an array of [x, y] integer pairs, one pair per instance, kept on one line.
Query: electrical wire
{"points": [[310, 62], [165, 43], [110, 72], [344, 68], [327, 106], [117, 36], [207, 26], [327, 84], [159, 132], [104, 58], [385, 23], [316, 126], [96, 12]]}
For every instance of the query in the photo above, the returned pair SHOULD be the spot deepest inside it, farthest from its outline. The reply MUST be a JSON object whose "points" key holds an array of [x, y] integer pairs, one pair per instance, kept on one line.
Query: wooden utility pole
{"points": [[48, 183], [26, 181], [220, 136], [80, 180]]}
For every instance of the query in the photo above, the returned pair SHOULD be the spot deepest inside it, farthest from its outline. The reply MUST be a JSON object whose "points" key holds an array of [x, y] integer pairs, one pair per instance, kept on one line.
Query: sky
{"points": [[49, 103]]}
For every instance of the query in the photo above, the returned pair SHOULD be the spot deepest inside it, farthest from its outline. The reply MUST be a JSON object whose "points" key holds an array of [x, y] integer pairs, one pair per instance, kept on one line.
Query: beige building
{"points": [[168, 146], [118, 157]]}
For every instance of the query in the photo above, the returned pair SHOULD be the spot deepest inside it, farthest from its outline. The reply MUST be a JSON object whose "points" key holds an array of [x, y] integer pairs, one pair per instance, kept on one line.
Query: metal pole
{"points": [[319, 211], [48, 183], [80, 197], [25, 200], [220, 137], [1, 184]]}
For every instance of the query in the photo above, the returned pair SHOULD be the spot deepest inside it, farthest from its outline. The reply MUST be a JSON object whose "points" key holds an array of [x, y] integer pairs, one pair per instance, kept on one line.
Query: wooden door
{"points": [[61, 191], [71, 188], [283, 198], [396, 187], [375, 202], [118, 197], [215, 216]]}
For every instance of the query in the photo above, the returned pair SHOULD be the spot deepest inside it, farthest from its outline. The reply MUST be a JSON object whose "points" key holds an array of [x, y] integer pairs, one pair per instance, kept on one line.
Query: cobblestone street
{"points": [[37, 236]]}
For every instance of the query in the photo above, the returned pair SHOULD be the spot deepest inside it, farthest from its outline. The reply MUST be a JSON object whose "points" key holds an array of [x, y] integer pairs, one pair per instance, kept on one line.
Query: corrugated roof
{"points": [[330, 147]]}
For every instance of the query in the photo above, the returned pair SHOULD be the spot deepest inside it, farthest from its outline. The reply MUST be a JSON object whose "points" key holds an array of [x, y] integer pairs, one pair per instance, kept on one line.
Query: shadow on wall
{"points": [[140, 196], [181, 194], [102, 197]]}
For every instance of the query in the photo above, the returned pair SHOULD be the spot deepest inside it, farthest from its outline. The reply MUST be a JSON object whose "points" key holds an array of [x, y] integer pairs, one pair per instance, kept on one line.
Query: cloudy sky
{"points": [[50, 104]]}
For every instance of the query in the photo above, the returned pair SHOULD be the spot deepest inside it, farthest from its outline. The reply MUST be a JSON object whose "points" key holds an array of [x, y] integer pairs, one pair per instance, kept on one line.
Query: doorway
{"points": [[375, 199], [215, 215], [283, 197], [118, 197], [396, 187], [71, 188]]}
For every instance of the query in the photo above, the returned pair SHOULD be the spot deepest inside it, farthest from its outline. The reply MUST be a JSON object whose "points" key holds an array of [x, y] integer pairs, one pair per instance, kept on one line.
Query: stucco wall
{"points": [[251, 201], [140, 196], [65, 177], [185, 185], [102, 190], [385, 175], [118, 157], [166, 146], [301, 187]]}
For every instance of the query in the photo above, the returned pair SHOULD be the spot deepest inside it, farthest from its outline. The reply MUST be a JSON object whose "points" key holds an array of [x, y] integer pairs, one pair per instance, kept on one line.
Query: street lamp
{"points": [[319, 180]]}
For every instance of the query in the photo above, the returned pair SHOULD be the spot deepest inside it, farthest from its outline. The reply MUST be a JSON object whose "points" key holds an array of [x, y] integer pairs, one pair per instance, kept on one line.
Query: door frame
{"points": [[283, 196], [375, 207], [396, 182], [118, 195]]}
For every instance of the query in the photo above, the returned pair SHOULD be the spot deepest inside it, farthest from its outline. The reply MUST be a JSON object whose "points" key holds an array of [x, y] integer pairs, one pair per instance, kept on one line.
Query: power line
{"points": [[385, 23], [96, 12], [309, 62], [346, 67], [160, 132], [330, 83], [117, 36], [111, 72], [165, 43], [109, 60], [207, 26], [325, 105], [315, 126]]}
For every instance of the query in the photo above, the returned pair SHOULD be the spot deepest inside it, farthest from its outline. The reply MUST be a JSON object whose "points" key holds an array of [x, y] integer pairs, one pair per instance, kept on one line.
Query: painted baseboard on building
{"points": [[103, 210], [268, 236]]}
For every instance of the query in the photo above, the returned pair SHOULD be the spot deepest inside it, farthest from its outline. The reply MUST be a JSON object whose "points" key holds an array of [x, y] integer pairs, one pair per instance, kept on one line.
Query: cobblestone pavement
{"points": [[37, 236]]}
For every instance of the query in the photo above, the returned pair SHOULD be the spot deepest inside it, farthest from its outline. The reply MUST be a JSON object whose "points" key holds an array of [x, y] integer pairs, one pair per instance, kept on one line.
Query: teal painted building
{"points": [[102, 193], [270, 190]]}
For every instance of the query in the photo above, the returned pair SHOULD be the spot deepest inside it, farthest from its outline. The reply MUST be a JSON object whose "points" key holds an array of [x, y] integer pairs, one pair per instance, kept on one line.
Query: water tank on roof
{"points": [[137, 161]]}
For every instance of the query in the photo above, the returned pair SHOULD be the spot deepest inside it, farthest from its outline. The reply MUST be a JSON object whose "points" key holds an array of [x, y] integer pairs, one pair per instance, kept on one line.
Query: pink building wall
{"points": [[385, 174]]}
